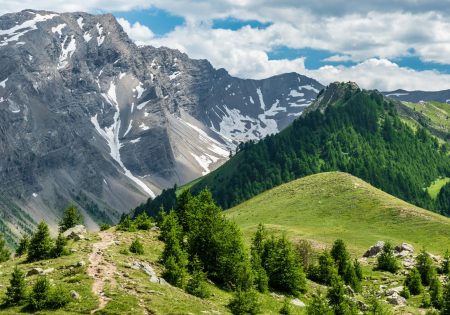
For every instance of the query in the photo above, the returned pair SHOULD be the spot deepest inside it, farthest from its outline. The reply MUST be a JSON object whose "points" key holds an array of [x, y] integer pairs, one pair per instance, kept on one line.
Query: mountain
{"points": [[347, 129], [420, 96], [355, 211], [86, 116]]}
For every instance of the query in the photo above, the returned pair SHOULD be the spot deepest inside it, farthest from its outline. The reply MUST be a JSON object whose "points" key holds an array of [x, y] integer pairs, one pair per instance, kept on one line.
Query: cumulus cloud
{"points": [[138, 32]]}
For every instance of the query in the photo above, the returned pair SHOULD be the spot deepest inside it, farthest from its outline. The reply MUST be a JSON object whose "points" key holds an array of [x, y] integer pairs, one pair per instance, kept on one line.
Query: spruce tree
{"points": [[340, 256], [286, 308], [16, 292], [24, 243], [336, 296], [40, 244], [4, 251], [386, 261], [71, 217], [60, 247], [436, 294], [414, 282], [40, 294], [445, 267], [424, 264], [319, 305], [197, 285], [244, 302], [446, 300], [136, 247]]}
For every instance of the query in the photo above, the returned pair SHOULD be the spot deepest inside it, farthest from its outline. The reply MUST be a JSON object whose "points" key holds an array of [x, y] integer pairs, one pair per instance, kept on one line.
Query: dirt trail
{"points": [[100, 269]]}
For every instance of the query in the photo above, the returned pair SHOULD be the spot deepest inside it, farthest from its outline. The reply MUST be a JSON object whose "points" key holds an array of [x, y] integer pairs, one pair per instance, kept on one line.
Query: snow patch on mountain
{"points": [[100, 37], [80, 22], [67, 51], [3, 83], [58, 29]]}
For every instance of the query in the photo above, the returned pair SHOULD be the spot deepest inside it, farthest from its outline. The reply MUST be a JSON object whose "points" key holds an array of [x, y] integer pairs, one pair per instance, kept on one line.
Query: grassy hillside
{"points": [[327, 206]]}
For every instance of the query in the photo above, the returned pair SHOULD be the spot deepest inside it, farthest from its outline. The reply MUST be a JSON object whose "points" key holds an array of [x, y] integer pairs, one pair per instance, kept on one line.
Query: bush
{"points": [[136, 247], [446, 300], [126, 225], [4, 251], [260, 274], [60, 247], [414, 282], [426, 300], [104, 226], [15, 293], [143, 221], [445, 267], [71, 217], [44, 296], [40, 244], [286, 308], [340, 256], [197, 285], [319, 305], [386, 261], [175, 271], [244, 302], [24, 243], [425, 267], [405, 293], [337, 299], [375, 306], [325, 270]]}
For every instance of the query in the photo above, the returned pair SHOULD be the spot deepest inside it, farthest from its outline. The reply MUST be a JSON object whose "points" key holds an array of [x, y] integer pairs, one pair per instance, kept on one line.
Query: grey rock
{"points": [[34, 271], [408, 263], [76, 233], [404, 247], [75, 295], [393, 291], [396, 299], [350, 290], [297, 302], [65, 91], [374, 250], [148, 269]]}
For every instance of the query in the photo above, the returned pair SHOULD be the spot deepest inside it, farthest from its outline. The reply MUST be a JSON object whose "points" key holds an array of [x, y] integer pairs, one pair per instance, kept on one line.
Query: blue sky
{"points": [[380, 44]]}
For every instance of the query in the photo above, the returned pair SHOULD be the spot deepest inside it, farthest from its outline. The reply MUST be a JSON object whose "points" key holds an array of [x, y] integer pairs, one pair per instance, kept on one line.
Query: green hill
{"points": [[333, 205]]}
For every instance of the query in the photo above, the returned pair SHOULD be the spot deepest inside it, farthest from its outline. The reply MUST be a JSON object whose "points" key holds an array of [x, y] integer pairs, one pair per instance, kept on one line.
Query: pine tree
{"points": [[15, 293], [327, 269], [340, 256], [60, 247], [445, 267], [71, 217], [446, 300], [143, 221], [40, 244], [136, 247], [197, 285], [24, 243], [386, 261], [244, 302], [336, 296], [40, 293], [4, 251], [414, 282], [436, 292], [286, 308], [425, 266], [319, 305]]}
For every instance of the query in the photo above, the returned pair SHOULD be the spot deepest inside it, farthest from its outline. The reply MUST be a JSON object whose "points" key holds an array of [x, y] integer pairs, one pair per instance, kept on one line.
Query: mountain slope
{"points": [[346, 129], [86, 116], [418, 96], [327, 206]]}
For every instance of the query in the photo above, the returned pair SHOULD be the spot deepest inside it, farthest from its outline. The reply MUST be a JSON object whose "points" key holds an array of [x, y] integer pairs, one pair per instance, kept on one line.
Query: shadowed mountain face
{"points": [[86, 116]]}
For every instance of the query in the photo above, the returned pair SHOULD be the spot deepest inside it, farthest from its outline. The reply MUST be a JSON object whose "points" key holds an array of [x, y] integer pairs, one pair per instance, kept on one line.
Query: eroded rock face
{"points": [[89, 117], [374, 250]]}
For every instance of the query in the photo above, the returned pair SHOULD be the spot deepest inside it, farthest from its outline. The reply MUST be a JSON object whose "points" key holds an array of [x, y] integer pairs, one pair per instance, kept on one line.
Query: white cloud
{"points": [[338, 58], [138, 32]]}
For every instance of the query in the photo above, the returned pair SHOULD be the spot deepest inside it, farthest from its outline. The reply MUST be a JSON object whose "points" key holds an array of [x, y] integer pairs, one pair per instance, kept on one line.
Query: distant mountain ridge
{"points": [[418, 96], [86, 116]]}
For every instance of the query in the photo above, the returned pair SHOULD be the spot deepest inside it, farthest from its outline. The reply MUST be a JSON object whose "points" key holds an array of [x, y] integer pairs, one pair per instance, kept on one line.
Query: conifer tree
{"points": [[414, 282], [197, 285], [16, 292], [244, 302], [71, 217], [436, 295], [336, 296], [319, 305], [4, 251], [386, 261], [425, 266], [40, 243], [24, 243], [340, 256], [60, 247], [446, 300], [445, 267]]}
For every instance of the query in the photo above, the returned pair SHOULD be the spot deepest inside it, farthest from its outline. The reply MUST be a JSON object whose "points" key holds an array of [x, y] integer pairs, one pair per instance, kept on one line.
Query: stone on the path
{"points": [[297, 302], [374, 250]]}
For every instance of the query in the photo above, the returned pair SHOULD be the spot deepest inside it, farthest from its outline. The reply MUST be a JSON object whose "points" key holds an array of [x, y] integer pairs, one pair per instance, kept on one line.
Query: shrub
{"points": [[414, 282], [351, 278], [405, 293], [4, 251], [325, 270], [260, 274], [286, 308], [244, 302], [175, 271], [136, 247], [340, 256], [143, 221], [445, 267], [337, 299], [104, 226], [425, 267], [15, 293], [40, 244], [446, 300], [24, 243], [71, 217], [319, 305], [44, 296], [426, 300], [197, 285], [386, 261], [126, 225], [375, 306]]}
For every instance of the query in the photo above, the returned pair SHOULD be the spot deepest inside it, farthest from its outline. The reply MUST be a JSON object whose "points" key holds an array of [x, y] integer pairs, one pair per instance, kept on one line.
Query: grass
{"points": [[438, 114], [327, 206], [435, 187]]}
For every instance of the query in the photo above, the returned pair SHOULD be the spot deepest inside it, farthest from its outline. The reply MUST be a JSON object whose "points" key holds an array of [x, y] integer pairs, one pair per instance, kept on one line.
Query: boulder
{"points": [[76, 233], [396, 299], [149, 271], [404, 247], [409, 263], [75, 295], [34, 271], [349, 290], [297, 302], [47, 271], [393, 291], [402, 254], [374, 250]]}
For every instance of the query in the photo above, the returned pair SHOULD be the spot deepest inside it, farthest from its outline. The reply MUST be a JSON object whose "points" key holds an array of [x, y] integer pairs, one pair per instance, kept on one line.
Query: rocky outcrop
{"points": [[374, 250], [76, 233]]}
